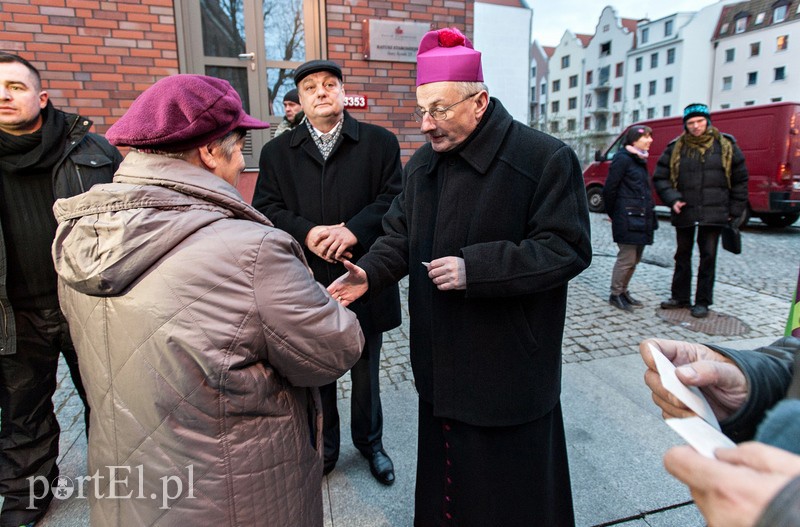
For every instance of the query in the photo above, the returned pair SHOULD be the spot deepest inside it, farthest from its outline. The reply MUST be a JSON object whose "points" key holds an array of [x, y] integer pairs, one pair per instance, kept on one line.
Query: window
{"points": [[727, 83], [782, 43], [587, 123], [635, 115], [554, 126], [779, 14], [619, 69], [752, 78], [544, 88], [776, 99], [533, 95], [651, 113], [587, 100], [554, 106], [759, 18], [780, 73], [724, 106], [651, 89], [573, 81], [572, 103], [615, 119], [671, 56], [571, 125], [542, 109], [589, 77], [653, 60], [638, 64], [668, 28], [730, 54], [605, 49], [741, 24], [603, 74], [749, 103], [645, 35], [556, 85], [565, 62], [637, 91], [617, 94], [668, 85], [601, 123], [667, 110], [724, 28], [533, 72], [755, 48], [602, 99]]}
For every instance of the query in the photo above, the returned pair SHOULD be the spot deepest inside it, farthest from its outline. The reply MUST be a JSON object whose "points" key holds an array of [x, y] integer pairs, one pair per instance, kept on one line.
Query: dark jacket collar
{"points": [[480, 149]]}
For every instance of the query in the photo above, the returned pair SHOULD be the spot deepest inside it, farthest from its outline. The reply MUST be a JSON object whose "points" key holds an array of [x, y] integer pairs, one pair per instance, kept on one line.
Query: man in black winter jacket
{"points": [[45, 154], [702, 177]]}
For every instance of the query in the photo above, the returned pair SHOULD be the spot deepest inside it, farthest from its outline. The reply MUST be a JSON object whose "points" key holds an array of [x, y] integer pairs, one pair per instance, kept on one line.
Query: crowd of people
{"points": [[204, 331]]}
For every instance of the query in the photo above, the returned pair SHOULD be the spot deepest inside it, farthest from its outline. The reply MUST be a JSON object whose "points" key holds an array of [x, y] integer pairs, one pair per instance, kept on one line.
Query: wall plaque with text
{"points": [[393, 40]]}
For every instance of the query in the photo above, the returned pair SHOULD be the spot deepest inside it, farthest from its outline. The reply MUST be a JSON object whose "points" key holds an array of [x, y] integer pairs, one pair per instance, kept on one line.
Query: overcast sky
{"points": [[551, 19]]}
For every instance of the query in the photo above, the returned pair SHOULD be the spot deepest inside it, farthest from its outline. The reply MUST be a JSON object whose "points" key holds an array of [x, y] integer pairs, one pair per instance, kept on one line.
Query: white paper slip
{"points": [[691, 396], [700, 435]]}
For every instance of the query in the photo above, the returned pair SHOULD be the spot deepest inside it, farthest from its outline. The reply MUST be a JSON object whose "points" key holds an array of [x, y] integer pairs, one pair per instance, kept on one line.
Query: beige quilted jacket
{"points": [[201, 336]]}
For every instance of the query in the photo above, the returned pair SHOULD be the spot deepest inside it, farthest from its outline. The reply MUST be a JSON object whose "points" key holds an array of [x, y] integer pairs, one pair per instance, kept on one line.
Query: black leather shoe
{"points": [[381, 466], [619, 302], [699, 311], [632, 301], [675, 304]]}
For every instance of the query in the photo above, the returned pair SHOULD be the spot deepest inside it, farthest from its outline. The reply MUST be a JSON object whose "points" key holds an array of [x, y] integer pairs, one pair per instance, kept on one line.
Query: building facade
{"points": [[503, 35], [756, 54]]}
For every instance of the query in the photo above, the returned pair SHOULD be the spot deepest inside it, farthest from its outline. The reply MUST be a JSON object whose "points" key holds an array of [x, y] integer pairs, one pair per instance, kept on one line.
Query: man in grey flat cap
{"points": [[328, 183]]}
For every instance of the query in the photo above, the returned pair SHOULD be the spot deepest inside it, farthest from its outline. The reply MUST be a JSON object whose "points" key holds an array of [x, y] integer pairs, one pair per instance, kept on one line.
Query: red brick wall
{"points": [[388, 85], [95, 57]]}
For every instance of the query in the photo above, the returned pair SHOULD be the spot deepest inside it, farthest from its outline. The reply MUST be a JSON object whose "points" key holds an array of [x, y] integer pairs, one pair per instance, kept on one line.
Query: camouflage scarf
{"points": [[696, 148]]}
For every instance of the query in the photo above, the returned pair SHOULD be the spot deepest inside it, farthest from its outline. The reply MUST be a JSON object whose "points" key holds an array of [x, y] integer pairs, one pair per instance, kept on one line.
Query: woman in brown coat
{"points": [[200, 331]]}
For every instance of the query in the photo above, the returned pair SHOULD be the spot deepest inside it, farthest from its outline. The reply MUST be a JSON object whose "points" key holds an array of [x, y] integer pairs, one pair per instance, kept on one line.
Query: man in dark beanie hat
{"points": [[328, 183], [292, 112], [195, 321], [702, 177], [45, 154]]}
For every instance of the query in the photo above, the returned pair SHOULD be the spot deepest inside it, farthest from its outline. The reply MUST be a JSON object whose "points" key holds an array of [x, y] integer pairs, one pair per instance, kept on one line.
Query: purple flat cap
{"points": [[182, 112], [447, 55]]}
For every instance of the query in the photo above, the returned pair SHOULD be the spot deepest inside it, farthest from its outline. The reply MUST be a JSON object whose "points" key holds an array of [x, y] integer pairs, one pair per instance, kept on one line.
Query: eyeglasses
{"points": [[437, 114]]}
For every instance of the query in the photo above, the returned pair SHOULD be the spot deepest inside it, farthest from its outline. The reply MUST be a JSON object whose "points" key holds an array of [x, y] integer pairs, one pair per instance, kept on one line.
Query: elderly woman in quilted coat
{"points": [[200, 331]]}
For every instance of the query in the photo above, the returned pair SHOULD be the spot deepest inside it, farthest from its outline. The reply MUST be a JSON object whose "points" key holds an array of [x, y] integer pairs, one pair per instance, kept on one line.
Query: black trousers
{"points": [[707, 243], [366, 413], [514, 476], [28, 427]]}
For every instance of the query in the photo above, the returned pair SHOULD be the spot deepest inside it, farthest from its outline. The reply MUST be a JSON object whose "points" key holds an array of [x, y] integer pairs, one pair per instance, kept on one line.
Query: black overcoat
{"points": [[297, 190], [511, 203], [628, 199]]}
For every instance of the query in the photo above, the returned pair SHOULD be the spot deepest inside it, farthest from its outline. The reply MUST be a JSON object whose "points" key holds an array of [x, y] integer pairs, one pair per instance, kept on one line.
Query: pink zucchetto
{"points": [[447, 55]]}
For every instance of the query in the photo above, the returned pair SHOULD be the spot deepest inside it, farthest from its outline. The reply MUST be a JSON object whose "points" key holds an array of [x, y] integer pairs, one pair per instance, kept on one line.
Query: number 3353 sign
{"points": [[356, 102]]}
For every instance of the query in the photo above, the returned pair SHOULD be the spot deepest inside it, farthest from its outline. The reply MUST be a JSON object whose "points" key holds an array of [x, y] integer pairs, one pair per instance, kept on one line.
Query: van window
{"points": [[615, 147]]}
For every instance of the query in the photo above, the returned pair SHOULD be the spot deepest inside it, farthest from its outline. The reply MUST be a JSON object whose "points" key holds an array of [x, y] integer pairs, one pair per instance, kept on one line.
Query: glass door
{"points": [[253, 44]]}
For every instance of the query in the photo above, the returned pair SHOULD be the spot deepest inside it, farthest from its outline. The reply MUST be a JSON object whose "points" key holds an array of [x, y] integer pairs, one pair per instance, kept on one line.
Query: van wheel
{"points": [[778, 220], [595, 197]]}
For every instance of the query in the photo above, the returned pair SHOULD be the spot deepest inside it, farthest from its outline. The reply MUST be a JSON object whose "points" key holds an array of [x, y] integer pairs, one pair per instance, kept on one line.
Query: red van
{"points": [[769, 136]]}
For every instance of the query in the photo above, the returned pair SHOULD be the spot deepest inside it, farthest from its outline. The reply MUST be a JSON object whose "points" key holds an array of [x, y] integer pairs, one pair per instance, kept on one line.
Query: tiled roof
{"points": [[726, 26], [584, 38]]}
